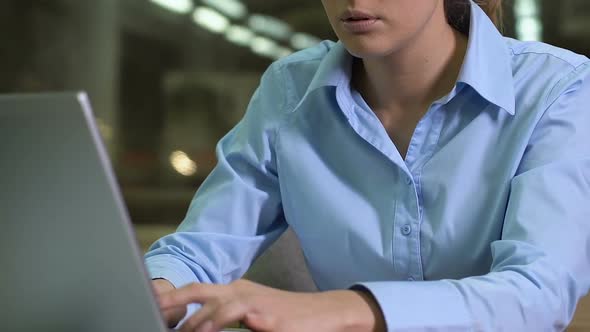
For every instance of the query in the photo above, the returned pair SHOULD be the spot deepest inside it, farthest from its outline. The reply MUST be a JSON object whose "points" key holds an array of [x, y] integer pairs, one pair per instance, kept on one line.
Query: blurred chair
{"points": [[283, 266]]}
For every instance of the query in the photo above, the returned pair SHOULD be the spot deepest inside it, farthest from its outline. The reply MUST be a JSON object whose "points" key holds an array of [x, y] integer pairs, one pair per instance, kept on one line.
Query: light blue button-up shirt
{"points": [[484, 226]]}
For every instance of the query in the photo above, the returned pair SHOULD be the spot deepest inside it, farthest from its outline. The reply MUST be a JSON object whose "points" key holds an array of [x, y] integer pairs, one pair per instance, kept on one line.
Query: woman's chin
{"points": [[368, 49], [368, 52]]}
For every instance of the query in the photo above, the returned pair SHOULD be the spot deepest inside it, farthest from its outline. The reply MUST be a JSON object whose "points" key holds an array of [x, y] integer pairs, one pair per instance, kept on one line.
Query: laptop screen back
{"points": [[68, 257]]}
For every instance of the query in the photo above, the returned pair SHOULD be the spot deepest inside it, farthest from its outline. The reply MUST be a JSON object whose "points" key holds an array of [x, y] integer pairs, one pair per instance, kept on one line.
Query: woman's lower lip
{"points": [[359, 26]]}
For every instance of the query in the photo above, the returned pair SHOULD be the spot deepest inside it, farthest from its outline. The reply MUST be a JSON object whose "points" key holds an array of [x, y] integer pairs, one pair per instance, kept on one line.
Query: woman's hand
{"points": [[173, 315], [266, 309]]}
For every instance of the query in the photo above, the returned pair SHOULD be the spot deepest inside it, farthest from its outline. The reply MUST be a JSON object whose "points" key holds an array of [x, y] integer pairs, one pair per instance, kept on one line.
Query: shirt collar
{"points": [[486, 67], [335, 67]]}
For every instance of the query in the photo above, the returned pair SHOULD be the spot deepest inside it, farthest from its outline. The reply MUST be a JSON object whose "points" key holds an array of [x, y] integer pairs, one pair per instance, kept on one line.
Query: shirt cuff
{"points": [[170, 268], [420, 305]]}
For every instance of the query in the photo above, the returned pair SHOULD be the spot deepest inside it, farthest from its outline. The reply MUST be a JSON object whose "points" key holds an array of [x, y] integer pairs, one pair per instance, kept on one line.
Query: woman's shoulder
{"points": [[551, 67], [310, 54], [533, 52], [295, 72], [285, 81]]}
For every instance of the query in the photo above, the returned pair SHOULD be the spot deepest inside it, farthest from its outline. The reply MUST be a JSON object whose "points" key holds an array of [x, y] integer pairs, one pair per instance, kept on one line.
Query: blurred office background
{"points": [[167, 78]]}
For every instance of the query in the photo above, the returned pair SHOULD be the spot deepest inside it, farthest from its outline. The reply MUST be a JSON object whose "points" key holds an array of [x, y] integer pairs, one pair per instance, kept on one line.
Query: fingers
{"points": [[173, 316], [215, 316], [197, 319], [192, 293], [222, 305]]}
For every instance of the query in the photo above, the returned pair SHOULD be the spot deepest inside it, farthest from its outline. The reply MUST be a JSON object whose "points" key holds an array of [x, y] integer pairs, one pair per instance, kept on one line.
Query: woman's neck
{"points": [[419, 73]]}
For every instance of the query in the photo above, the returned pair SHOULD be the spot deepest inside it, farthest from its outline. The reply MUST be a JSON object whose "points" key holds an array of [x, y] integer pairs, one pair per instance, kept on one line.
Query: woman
{"points": [[436, 174]]}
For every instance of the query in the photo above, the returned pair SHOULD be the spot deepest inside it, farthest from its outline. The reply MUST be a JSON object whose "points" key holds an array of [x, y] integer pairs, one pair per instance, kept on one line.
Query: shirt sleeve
{"points": [[541, 263], [237, 211]]}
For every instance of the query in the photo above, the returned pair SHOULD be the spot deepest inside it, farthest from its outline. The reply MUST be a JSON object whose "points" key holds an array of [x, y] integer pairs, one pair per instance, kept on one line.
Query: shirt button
{"points": [[406, 229]]}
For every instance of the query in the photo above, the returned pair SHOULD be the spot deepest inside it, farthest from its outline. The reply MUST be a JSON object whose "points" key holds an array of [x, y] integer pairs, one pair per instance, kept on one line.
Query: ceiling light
{"points": [[529, 29], [301, 40], [182, 163], [527, 20], [177, 6], [239, 35], [210, 19], [269, 26], [263, 46], [281, 52], [232, 8], [526, 8]]}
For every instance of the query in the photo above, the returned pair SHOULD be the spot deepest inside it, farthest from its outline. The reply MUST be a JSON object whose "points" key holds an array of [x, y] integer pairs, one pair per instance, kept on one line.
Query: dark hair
{"points": [[457, 12]]}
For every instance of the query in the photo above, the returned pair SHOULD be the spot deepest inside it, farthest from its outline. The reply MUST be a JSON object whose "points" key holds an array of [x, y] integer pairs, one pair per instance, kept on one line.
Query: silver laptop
{"points": [[68, 256]]}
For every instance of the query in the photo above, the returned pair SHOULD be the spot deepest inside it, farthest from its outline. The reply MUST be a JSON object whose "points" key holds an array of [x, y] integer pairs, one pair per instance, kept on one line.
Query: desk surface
{"points": [[581, 322]]}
